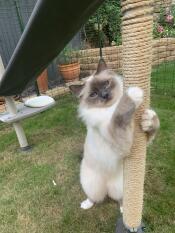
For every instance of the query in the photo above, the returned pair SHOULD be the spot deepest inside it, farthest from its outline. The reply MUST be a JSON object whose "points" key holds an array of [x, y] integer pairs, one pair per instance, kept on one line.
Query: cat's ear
{"points": [[76, 89], [101, 66]]}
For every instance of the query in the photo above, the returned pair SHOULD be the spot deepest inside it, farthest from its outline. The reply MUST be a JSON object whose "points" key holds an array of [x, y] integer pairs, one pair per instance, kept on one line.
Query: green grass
{"points": [[163, 78], [30, 203]]}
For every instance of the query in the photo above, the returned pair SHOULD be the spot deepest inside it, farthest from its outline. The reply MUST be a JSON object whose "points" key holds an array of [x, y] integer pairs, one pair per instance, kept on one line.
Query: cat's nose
{"points": [[105, 95]]}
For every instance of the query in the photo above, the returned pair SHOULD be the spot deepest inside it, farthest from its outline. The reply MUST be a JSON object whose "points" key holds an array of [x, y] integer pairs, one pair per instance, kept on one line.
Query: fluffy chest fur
{"points": [[99, 152], [96, 117]]}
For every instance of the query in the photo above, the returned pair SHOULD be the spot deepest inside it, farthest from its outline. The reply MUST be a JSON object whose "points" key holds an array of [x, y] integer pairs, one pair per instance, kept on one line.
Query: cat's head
{"points": [[102, 89]]}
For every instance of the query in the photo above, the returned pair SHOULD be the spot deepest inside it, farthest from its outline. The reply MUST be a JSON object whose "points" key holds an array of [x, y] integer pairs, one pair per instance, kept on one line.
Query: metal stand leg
{"points": [[12, 109], [17, 125]]}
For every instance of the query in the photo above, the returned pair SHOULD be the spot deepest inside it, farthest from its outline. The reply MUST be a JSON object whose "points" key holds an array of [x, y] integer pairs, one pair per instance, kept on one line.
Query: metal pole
{"points": [[99, 36], [11, 107], [21, 23]]}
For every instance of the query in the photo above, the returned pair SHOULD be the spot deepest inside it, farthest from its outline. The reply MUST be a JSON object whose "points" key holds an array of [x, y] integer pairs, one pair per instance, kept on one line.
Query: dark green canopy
{"points": [[52, 25]]}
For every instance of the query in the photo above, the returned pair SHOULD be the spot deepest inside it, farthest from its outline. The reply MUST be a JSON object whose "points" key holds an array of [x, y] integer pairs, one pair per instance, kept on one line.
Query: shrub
{"points": [[67, 56], [165, 26], [109, 25], [109, 18]]}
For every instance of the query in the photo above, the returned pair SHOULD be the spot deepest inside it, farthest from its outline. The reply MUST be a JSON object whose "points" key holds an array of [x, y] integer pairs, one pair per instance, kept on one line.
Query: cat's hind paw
{"points": [[150, 121], [136, 94], [87, 204]]}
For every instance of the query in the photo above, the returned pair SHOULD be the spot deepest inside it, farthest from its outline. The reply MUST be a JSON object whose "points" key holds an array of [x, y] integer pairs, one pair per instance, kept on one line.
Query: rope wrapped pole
{"points": [[137, 24]]}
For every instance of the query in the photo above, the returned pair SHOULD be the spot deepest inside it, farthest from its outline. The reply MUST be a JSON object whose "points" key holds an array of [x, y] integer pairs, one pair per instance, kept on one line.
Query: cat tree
{"points": [[137, 24]]}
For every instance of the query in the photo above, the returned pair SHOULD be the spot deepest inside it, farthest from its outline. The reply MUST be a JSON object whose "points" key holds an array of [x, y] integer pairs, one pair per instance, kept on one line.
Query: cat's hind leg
{"points": [[115, 190], [93, 184]]}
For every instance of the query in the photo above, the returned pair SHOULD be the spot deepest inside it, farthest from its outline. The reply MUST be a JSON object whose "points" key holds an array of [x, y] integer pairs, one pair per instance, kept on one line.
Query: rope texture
{"points": [[137, 23]]}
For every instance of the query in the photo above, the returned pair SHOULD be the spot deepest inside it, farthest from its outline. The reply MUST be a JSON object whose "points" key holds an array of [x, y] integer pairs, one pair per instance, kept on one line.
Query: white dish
{"points": [[39, 101]]}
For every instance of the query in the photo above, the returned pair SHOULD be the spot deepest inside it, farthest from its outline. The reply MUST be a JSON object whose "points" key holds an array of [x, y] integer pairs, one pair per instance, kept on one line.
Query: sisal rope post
{"points": [[137, 24]]}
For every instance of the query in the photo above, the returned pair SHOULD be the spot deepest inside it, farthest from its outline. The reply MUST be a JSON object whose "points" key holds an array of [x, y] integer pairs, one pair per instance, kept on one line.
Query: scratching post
{"points": [[137, 26]]}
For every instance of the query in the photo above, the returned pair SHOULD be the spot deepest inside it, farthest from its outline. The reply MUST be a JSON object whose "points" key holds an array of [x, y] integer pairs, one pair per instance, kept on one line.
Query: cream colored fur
{"points": [[101, 172]]}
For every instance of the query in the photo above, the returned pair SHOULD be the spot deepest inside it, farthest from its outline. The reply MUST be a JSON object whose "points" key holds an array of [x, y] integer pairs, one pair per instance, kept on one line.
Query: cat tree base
{"points": [[120, 228]]}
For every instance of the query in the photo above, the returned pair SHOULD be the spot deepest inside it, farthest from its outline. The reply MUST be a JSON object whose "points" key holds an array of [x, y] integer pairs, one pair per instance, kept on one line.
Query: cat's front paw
{"points": [[136, 94], [150, 121]]}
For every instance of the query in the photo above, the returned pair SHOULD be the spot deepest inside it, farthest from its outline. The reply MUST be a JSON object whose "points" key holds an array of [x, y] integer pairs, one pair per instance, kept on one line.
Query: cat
{"points": [[108, 113]]}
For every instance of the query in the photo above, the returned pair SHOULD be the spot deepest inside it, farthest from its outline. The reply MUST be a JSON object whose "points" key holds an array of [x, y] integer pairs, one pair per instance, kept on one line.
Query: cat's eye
{"points": [[93, 94]]}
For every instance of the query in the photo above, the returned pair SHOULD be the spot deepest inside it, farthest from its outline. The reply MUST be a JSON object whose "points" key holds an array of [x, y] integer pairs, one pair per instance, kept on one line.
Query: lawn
{"points": [[163, 78], [30, 203]]}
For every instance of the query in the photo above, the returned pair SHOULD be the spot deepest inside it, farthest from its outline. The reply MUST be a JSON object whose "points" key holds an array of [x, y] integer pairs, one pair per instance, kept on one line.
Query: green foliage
{"points": [[109, 31], [67, 56], [109, 24], [165, 25]]}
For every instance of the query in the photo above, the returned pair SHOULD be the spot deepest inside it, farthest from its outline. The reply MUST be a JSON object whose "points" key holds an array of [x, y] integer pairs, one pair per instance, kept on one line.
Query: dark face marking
{"points": [[101, 91]]}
